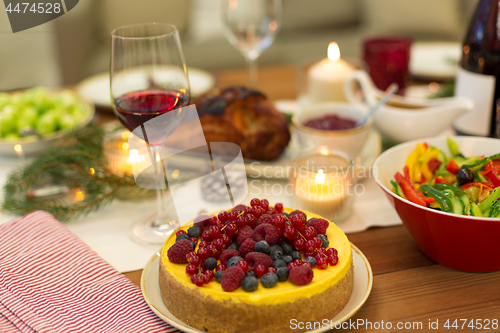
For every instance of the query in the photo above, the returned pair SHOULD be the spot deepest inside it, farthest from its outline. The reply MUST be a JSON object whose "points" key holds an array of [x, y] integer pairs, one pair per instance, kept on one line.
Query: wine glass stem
{"points": [[253, 69], [160, 185]]}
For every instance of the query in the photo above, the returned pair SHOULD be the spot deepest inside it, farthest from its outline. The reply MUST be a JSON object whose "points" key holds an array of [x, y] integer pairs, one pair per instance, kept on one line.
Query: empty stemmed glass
{"points": [[149, 79], [251, 26]]}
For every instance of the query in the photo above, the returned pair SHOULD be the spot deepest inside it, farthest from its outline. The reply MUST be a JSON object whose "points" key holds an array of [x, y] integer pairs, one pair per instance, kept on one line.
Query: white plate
{"points": [[96, 88], [278, 169], [362, 286], [434, 60]]}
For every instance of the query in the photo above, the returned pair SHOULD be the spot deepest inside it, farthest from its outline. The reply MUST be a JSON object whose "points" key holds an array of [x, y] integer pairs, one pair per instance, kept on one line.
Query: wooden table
{"points": [[408, 288]]}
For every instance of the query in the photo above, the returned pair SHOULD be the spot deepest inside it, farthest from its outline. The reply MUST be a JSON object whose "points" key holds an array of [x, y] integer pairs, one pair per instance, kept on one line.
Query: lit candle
{"points": [[325, 79], [323, 184], [119, 155]]}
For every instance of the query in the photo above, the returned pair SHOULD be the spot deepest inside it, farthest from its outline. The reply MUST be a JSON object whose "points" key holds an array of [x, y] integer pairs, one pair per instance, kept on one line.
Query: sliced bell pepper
{"points": [[452, 167], [429, 155], [434, 164], [489, 186], [493, 177], [413, 162], [443, 201], [440, 180], [409, 191]]}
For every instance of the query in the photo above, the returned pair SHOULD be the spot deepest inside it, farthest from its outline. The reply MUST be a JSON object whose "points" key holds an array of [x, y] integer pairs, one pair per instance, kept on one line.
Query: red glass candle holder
{"points": [[387, 60]]}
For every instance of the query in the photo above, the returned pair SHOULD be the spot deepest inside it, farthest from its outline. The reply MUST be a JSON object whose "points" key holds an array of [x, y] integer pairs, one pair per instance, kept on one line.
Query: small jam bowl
{"points": [[350, 141]]}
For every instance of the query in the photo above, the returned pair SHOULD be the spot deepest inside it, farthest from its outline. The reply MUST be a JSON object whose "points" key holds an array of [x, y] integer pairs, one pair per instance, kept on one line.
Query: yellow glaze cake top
{"points": [[283, 292]]}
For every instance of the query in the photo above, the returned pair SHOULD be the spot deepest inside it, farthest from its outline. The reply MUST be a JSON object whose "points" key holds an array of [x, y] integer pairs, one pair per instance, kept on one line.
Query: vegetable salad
{"points": [[457, 184]]}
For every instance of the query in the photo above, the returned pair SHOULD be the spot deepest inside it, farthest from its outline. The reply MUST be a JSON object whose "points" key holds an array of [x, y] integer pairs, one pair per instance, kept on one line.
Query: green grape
{"points": [[67, 121]]}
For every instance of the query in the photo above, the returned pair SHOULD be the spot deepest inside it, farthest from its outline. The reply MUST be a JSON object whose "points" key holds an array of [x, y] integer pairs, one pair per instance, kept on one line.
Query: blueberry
{"points": [[262, 246], [234, 246], [287, 259], [276, 247], [210, 263], [233, 260], [193, 244], [269, 280], [181, 236], [279, 263], [311, 260], [324, 241], [251, 273], [218, 275], [276, 253], [194, 231], [284, 214], [287, 247], [296, 255], [282, 273], [250, 284]]}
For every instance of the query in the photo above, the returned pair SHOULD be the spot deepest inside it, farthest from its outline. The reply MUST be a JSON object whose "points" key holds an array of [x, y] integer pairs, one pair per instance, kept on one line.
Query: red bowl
{"points": [[461, 242]]}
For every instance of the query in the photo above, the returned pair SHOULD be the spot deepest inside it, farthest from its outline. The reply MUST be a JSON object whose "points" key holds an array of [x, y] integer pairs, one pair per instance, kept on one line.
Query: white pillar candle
{"points": [[325, 79]]}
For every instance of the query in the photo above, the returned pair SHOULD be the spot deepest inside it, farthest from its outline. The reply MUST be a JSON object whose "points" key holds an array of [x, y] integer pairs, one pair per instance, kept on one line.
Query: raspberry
{"points": [[301, 275], [265, 218], [232, 277], [267, 232], [257, 258], [177, 252], [246, 247], [244, 233], [319, 224], [226, 254]]}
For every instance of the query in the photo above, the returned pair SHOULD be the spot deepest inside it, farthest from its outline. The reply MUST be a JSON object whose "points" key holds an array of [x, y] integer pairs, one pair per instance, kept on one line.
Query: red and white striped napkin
{"points": [[51, 282]]}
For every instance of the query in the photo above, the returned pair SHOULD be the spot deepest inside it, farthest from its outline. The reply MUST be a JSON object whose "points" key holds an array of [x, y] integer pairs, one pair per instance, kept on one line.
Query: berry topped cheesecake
{"points": [[256, 269]]}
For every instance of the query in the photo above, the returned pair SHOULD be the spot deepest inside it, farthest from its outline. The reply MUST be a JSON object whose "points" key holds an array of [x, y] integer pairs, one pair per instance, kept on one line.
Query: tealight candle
{"points": [[119, 155], [323, 182], [325, 79]]}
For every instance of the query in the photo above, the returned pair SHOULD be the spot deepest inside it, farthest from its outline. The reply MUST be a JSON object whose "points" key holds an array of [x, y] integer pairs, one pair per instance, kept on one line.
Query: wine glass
{"points": [[149, 79], [251, 26]]}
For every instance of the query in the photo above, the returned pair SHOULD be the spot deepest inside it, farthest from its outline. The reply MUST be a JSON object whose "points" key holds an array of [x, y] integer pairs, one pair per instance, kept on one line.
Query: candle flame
{"points": [[333, 51], [320, 177], [135, 157], [92, 171], [79, 196], [125, 146], [18, 148], [175, 174]]}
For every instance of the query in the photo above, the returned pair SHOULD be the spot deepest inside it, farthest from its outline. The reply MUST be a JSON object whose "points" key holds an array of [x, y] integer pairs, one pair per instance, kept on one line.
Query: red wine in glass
{"points": [[136, 108]]}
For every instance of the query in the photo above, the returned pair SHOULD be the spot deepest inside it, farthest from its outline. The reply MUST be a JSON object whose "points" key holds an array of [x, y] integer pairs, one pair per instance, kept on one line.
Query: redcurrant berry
{"points": [[191, 269], [220, 267], [243, 265], [279, 207], [279, 221], [318, 242], [194, 240], [203, 244], [226, 240], [310, 232], [298, 262], [194, 259], [231, 229], [203, 252], [218, 243], [260, 270], [215, 232], [233, 215], [299, 243], [271, 211], [264, 203], [272, 270], [289, 232], [209, 274], [212, 250], [257, 211], [251, 220], [240, 221], [297, 220], [332, 259], [290, 266], [223, 216], [331, 251], [255, 202], [321, 263], [200, 280], [310, 245], [180, 232]]}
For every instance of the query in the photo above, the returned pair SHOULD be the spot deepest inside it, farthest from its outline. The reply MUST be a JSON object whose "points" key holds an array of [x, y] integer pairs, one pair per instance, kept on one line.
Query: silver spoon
{"points": [[390, 92]]}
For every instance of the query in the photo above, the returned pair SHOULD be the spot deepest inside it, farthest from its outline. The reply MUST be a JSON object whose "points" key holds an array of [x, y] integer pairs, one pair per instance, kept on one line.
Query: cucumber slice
{"points": [[475, 210], [397, 189]]}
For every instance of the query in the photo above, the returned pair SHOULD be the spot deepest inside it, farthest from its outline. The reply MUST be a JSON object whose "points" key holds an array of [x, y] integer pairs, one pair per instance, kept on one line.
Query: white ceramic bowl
{"points": [[404, 119], [351, 141]]}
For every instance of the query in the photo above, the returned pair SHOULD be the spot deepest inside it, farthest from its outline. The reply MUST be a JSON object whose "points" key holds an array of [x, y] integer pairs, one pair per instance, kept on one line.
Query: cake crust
{"points": [[205, 313]]}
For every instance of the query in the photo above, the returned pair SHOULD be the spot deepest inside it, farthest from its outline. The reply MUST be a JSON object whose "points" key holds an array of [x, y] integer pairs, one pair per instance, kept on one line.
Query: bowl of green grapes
{"points": [[32, 120]]}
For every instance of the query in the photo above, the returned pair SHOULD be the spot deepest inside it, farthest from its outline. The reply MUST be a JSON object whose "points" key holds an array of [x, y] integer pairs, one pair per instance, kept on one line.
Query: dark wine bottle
{"points": [[478, 75]]}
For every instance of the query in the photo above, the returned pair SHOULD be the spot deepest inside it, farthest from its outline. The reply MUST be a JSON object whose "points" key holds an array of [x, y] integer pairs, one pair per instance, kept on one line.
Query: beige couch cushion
{"points": [[432, 19], [311, 14]]}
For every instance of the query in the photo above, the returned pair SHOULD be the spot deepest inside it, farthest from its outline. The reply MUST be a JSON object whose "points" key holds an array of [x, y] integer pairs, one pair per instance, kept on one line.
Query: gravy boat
{"points": [[405, 118]]}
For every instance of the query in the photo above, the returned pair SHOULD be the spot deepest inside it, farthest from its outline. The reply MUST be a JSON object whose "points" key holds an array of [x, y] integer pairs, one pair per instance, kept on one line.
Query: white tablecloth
{"points": [[107, 231]]}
